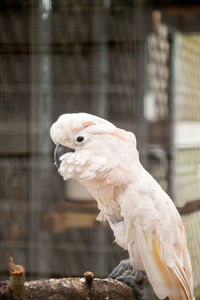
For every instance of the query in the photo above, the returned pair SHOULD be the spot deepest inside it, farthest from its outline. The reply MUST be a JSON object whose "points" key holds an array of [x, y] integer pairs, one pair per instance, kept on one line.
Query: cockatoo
{"points": [[144, 219]]}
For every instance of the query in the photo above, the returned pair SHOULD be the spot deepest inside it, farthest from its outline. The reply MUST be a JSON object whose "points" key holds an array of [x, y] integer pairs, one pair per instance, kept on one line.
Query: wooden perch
{"points": [[86, 288], [70, 288]]}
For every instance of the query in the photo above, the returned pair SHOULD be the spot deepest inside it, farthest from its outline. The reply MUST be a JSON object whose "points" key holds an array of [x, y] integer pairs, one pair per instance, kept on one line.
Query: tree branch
{"points": [[85, 288]]}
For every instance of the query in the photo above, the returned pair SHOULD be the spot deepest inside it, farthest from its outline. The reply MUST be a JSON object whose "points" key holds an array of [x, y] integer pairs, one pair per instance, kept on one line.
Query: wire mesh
{"points": [[188, 79], [98, 57], [52, 62], [186, 146]]}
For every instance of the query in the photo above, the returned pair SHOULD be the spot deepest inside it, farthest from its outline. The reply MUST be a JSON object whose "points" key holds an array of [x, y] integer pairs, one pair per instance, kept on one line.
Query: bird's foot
{"points": [[124, 272]]}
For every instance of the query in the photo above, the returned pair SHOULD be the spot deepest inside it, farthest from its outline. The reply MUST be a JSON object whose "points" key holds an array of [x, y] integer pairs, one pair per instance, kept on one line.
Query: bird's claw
{"points": [[124, 272], [123, 266]]}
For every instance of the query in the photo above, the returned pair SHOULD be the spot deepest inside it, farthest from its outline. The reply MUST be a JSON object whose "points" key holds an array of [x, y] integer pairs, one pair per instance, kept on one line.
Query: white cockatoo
{"points": [[144, 219]]}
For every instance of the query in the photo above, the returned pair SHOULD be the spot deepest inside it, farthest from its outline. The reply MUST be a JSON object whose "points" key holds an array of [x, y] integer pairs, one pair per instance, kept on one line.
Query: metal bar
{"points": [[172, 113], [37, 261]]}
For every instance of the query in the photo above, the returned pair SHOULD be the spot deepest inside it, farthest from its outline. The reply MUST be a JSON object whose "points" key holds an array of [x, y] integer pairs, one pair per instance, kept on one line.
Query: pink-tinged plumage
{"points": [[148, 224]]}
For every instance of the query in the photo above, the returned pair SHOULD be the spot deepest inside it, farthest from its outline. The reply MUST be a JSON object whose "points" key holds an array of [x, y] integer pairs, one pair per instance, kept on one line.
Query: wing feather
{"points": [[153, 223], [157, 272], [183, 279]]}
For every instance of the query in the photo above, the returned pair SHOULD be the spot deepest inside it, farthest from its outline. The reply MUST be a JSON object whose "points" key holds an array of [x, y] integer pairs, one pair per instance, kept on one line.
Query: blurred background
{"points": [[133, 62]]}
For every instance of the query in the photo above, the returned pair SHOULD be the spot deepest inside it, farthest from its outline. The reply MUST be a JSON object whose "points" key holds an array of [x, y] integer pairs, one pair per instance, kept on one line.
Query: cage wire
{"points": [[99, 57], [186, 144]]}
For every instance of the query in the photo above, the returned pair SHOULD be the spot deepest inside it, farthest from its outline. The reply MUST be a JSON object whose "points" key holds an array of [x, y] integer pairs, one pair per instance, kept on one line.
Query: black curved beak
{"points": [[58, 152]]}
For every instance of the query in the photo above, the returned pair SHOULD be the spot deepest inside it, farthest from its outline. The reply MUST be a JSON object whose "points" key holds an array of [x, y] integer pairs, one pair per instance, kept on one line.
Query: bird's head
{"points": [[89, 146]]}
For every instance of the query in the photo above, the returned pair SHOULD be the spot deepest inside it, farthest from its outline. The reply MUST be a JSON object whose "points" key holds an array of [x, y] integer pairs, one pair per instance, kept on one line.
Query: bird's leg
{"points": [[124, 272]]}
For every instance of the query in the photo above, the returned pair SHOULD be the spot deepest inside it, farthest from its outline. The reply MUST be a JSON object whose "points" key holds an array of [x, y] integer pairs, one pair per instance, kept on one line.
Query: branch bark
{"points": [[69, 288], [85, 288]]}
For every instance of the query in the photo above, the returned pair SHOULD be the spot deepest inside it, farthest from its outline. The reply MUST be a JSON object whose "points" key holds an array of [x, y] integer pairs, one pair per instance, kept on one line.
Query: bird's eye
{"points": [[80, 139]]}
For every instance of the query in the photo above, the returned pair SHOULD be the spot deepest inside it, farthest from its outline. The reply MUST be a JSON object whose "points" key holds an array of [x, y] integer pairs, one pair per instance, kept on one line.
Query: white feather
{"points": [[160, 286]]}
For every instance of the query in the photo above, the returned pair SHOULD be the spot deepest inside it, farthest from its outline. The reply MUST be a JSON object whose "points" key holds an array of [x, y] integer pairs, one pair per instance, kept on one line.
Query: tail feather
{"points": [[183, 279], [179, 292], [173, 281], [183, 282]]}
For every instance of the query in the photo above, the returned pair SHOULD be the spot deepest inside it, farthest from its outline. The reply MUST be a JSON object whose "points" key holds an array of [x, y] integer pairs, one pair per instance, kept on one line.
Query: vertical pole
{"points": [[102, 107], [140, 38], [40, 113], [45, 121], [45, 95], [172, 115], [102, 102]]}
